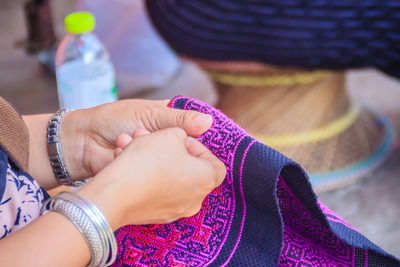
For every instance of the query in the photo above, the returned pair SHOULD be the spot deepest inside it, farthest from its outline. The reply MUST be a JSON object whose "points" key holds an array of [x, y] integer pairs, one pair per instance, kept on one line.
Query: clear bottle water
{"points": [[85, 74]]}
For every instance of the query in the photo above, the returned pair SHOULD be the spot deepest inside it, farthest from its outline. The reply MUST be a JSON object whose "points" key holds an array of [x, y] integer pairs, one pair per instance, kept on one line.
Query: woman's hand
{"points": [[157, 178], [88, 136]]}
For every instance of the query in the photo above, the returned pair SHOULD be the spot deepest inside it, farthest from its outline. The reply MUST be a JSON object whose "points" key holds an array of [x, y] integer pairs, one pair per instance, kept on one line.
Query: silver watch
{"points": [[55, 151]]}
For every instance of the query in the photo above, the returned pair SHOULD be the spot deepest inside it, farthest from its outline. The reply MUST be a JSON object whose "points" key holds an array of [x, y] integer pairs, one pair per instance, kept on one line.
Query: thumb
{"points": [[198, 150], [192, 122]]}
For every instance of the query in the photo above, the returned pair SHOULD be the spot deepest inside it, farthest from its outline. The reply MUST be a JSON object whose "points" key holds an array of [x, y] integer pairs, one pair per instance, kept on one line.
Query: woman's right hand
{"points": [[158, 178]]}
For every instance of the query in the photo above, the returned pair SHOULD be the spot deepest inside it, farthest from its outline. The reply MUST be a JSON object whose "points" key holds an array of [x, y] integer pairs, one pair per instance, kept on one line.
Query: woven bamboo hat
{"points": [[306, 115]]}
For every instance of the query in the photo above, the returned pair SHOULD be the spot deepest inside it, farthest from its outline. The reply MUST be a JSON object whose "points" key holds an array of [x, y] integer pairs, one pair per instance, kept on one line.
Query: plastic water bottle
{"points": [[85, 75]]}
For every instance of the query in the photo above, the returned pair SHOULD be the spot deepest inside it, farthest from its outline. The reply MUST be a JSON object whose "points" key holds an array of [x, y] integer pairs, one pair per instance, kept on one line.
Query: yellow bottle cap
{"points": [[79, 22]]}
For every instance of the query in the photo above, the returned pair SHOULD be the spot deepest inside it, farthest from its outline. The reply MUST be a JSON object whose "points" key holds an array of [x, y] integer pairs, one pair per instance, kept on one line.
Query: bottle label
{"points": [[83, 85]]}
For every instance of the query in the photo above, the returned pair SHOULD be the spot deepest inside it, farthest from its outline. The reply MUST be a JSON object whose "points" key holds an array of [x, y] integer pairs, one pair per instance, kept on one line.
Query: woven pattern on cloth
{"points": [[263, 214], [300, 33]]}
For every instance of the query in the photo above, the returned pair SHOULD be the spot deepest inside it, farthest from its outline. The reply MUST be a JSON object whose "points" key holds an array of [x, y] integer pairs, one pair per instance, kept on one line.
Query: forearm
{"points": [[39, 163], [51, 240]]}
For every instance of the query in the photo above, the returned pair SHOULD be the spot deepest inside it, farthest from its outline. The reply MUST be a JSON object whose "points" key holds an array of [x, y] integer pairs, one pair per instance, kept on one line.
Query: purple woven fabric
{"points": [[263, 214]]}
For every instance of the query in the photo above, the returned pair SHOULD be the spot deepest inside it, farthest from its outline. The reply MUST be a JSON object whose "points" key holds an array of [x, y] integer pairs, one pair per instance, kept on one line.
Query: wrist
{"points": [[108, 191], [90, 221], [72, 139], [105, 201]]}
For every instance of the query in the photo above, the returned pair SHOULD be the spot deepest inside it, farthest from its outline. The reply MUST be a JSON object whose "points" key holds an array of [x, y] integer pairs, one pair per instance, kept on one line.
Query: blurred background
{"points": [[368, 200]]}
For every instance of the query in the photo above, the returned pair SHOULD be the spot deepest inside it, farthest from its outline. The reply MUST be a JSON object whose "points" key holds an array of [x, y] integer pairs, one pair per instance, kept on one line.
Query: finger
{"points": [[191, 139], [198, 150], [193, 210], [165, 102], [140, 132], [194, 123], [176, 137], [195, 148], [123, 140], [117, 151], [178, 133]]}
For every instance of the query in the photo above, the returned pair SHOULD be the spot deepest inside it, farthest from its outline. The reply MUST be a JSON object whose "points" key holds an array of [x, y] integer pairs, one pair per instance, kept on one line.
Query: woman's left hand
{"points": [[88, 136]]}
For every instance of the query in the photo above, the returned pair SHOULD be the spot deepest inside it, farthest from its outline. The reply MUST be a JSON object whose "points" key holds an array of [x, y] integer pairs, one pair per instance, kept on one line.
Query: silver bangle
{"points": [[55, 152], [90, 222]]}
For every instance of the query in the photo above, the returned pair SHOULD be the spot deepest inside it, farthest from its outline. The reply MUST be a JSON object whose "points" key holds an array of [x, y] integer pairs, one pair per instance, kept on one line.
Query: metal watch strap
{"points": [[55, 151]]}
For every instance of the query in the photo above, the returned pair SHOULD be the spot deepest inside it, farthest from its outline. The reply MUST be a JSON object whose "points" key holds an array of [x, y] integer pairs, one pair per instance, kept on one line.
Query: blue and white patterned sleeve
{"points": [[21, 197]]}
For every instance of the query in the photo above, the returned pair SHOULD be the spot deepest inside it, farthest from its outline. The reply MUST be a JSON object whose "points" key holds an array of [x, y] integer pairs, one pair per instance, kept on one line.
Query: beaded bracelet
{"points": [[90, 222]]}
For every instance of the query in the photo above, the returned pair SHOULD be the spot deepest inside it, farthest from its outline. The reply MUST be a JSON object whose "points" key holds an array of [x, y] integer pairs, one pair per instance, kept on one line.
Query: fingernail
{"points": [[203, 119]]}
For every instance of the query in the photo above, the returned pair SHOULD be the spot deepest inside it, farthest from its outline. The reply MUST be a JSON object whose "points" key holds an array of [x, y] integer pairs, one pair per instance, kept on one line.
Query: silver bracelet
{"points": [[55, 151], [90, 222]]}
